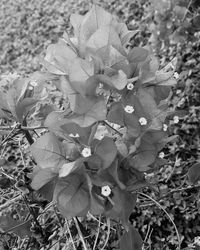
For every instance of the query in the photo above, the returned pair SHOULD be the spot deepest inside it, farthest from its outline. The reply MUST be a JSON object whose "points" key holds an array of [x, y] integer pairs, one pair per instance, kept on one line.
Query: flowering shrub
{"points": [[114, 125]]}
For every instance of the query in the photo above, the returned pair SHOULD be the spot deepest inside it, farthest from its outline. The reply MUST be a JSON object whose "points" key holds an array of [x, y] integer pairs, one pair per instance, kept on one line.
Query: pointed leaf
{"points": [[70, 167], [118, 81], [79, 72], [137, 55], [58, 58], [24, 107], [96, 113], [47, 151], [124, 204], [107, 151], [42, 177], [105, 36], [131, 240], [72, 196]]}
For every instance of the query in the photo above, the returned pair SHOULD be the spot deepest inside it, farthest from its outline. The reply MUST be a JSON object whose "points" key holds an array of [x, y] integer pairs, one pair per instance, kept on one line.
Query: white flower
{"points": [[178, 91], [130, 86], [143, 121], [100, 85], [30, 87], [176, 119], [106, 191], [161, 155], [129, 109], [86, 152], [165, 127], [34, 83], [74, 135], [176, 75]]}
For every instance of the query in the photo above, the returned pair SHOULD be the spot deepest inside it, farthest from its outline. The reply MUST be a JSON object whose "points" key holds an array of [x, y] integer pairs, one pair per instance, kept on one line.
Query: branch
{"points": [[107, 124], [97, 235], [80, 234], [108, 234]]}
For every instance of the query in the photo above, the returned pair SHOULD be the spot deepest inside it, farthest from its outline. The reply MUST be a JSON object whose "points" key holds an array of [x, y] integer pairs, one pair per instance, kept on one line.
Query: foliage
{"points": [[172, 22]]}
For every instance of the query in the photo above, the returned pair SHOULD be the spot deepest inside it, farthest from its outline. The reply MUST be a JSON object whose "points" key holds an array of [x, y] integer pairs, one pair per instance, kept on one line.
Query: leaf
{"points": [[124, 33], [96, 203], [149, 105], [72, 196], [78, 103], [105, 36], [113, 170], [20, 228], [96, 113], [148, 70], [24, 107], [145, 156], [123, 205], [107, 151], [131, 240], [80, 71], [109, 56], [137, 55], [42, 177], [194, 173], [58, 58], [118, 81], [60, 124], [48, 152], [47, 190], [118, 115], [92, 21], [70, 167]]}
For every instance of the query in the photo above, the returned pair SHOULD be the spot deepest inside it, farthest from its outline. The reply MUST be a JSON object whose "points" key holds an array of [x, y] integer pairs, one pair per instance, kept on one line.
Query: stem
{"points": [[80, 234], [70, 235], [27, 134], [32, 212], [107, 124], [97, 235], [177, 233], [8, 136], [108, 234]]}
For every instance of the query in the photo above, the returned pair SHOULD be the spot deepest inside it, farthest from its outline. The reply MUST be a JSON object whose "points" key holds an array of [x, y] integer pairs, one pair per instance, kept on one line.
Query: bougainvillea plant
{"points": [[94, 154]]}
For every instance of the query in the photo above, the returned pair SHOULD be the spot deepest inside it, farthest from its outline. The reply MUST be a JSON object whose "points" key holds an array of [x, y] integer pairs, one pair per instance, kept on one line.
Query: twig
{"points": [[27, 134], [107, 124], [32, 212], [97, 235], [8, 136], [80, 234], [93, 217], [22, 127], [70, 235], [187, 9], [158, 204], [9, 202], [108, 234]]}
